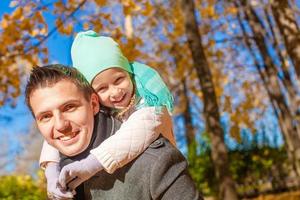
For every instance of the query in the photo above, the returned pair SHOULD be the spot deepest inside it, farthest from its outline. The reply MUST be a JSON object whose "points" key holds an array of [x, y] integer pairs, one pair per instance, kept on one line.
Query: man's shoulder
{"points": [[161, 149]]}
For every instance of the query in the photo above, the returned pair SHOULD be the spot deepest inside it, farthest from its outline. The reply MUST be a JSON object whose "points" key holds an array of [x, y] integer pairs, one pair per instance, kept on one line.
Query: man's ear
{"points": [[95, 103]]}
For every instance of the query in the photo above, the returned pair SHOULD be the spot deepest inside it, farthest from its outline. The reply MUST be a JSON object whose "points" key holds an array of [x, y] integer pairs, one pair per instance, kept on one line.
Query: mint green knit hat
{"points": [[92, 54]]}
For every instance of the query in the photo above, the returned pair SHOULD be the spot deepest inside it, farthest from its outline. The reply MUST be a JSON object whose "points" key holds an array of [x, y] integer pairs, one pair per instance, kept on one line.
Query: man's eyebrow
{"points": [[40, 113], [76, 101], [61, 106]]}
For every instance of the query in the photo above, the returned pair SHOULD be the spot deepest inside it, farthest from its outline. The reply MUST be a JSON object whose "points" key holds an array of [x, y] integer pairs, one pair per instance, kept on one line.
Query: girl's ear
{"points": [[95, 103]]}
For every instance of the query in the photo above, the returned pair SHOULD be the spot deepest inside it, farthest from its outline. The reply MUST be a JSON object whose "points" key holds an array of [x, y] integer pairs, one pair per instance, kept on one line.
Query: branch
{"points": [[238, 38], [51, 32], [55, 28]]}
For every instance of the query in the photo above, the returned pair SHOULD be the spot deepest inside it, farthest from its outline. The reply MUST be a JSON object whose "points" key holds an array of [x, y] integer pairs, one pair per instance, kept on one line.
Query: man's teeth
{"points": [[64, 138]]}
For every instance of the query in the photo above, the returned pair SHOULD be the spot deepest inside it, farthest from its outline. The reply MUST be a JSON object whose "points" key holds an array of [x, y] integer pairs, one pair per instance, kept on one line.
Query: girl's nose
{"points": [[115, 92]]}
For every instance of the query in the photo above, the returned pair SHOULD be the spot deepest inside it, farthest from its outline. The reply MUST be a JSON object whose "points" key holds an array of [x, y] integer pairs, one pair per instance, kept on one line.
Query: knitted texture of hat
{"points": [[92, 54]]}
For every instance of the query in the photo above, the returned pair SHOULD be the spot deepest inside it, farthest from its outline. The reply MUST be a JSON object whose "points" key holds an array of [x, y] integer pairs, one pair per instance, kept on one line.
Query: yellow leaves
{"points": [[22, 185], [219, 91], [129, 7], [219, 54], [197, 92], [129, 49], [178, 28], [255, 158], [240, 118], [4, 23], [18, 13], [100, 2], [231, 10], [148, 9], [59, 5], [26, 25], [58, 22], [68, 29], [86, 26], [35, 32], [98, 27], [227, 104], [211, 2], [45, 60], [43, 31], [17, 34], [28, 9], [39, 18], [209, 12], [235, 132], [64, 29]]}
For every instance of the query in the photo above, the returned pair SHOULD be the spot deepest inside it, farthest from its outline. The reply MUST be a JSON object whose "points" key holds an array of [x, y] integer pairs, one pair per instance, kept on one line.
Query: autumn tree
{"points": [[211, 108], [221, 60], [269, 73], [289, 29]]}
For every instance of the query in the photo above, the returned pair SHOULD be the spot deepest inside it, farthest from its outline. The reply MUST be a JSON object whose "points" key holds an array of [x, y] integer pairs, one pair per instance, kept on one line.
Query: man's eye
{"points": [[45, 118], [69, 107]]}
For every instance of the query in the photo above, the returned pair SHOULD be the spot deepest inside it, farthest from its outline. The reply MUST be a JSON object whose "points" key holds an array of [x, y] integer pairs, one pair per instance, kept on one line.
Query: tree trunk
{"points": [[283, 57], [219, 153], [270, 78], [189, 129], [289, 30]]}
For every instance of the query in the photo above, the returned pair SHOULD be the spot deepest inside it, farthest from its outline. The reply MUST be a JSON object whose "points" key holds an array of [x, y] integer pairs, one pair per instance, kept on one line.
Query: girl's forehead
{"points": [[109, 74]]}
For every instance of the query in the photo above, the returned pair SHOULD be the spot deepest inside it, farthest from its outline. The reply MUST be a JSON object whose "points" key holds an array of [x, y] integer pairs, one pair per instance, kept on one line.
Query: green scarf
{"points": [[92, 54]]}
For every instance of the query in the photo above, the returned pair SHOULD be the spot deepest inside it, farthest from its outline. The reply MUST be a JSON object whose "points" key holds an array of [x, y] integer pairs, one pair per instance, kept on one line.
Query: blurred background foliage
{"points": [[233, 67], [22, 187]]}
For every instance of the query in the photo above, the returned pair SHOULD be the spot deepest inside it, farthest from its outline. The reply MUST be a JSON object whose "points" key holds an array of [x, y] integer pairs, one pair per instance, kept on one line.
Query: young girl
{"points": [[134, 93]]}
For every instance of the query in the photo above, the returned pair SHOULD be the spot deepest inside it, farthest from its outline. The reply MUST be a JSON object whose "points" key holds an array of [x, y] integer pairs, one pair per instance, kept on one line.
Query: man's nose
{"points": [[61, 123]]}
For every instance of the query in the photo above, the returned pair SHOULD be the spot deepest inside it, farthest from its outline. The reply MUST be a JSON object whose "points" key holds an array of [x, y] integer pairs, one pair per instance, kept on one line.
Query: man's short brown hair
{"points": [[47, 76]]}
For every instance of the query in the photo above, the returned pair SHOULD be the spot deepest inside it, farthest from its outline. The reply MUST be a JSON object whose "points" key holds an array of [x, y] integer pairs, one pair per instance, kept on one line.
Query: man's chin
{"points": [[71, 150]]}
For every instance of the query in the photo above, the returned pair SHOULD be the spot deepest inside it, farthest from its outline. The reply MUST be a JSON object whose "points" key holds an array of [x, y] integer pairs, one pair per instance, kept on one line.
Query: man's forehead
{"points": [[54, 95]]}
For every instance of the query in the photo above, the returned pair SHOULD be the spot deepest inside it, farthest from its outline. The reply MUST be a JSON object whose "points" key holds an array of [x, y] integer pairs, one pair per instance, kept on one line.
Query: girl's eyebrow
{"points": [[99, 86]]}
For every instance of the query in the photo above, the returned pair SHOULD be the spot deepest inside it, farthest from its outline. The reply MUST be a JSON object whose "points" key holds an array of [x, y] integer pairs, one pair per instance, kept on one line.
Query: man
{"points": [[66, 111]]}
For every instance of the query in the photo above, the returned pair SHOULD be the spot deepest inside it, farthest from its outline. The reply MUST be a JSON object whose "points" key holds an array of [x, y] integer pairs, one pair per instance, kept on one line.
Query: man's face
{"points": [[64, 117]]}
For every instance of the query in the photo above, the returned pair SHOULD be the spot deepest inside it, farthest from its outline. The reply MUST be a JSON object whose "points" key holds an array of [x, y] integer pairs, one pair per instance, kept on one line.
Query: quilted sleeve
{"points": [[134, 136], [48, 154]]}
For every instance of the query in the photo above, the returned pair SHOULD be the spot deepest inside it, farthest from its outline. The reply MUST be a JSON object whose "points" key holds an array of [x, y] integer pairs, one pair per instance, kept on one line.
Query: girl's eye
{"points": [[102, 89], [119, 80]]}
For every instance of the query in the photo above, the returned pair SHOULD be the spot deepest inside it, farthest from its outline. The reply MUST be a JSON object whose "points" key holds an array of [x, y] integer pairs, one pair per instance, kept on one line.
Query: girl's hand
{"points": [[73, 174], [53, 189]]}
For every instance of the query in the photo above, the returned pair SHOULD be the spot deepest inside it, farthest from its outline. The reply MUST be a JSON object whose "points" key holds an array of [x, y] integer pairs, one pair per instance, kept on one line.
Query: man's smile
{"points": [[69, 138]]}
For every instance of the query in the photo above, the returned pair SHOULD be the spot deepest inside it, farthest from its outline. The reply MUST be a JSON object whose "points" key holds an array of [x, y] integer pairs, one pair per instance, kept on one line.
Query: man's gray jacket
{"points": [[158, 173]]}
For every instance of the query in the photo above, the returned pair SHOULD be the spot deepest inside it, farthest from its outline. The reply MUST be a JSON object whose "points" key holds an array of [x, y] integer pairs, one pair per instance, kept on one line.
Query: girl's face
{"points": [[114, 87]]}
